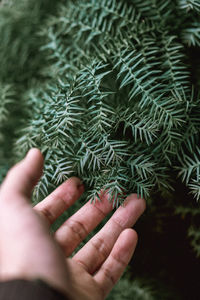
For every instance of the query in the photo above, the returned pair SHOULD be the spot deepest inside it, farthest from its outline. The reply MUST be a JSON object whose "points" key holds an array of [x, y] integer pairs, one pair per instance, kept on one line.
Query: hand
{"points": [[28, 251]]}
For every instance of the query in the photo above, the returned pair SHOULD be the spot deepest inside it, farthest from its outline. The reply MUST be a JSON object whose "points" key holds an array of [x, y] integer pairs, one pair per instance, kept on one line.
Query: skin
{"points": [[29, 251]]}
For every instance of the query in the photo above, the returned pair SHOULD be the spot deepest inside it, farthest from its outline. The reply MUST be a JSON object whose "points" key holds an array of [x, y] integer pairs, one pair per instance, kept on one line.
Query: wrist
{"points": [[29, 289]]}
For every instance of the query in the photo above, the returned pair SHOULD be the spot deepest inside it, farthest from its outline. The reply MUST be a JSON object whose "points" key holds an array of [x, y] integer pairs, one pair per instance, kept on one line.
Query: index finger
{"points": [[75, 229], [60, 200]]}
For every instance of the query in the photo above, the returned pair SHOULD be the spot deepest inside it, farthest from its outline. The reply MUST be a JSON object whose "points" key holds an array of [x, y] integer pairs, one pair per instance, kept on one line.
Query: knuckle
{"points": [[82, 264], [46, 214], [78, 229], [117, 257], [108, 274], [101, 247], [119, 222]]}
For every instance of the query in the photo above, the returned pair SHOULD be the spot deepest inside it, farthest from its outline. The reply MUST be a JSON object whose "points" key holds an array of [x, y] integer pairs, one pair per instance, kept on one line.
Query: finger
{"points": [[114, 266], [95, 252], [22, 178], [77, 227], [60, 200]]}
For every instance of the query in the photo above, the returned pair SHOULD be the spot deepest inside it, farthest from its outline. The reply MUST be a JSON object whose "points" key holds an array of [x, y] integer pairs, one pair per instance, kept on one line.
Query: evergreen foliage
{"points": [[138, 289], [190, 5], [131, 290], [119, 83], [107, 89]]}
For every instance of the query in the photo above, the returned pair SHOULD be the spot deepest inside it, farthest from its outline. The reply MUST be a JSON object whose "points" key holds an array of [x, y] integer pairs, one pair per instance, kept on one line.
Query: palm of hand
{"points": [[82, 285], [94, 270]]}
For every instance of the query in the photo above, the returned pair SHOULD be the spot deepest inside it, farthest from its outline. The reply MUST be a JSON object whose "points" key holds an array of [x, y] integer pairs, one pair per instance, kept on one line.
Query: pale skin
{"points": [[29, 251]]}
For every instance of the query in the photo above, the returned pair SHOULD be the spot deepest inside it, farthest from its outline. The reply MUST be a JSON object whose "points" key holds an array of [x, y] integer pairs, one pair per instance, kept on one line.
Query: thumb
{"points": [[22, 178]]}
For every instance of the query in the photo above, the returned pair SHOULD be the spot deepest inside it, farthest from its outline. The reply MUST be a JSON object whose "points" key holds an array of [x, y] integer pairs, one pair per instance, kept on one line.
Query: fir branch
{"points": [[27, 139], [165, 110], [190, 165], [6, 98], [192, 122], [194, 187], [63, 171], [157, 10], [100, 113], [173, 64], [191, 36], [117, 185], [65, 111], [97, 48], [131, 70], [141, 166], [97, 19], [148, 46], [89, 154], [99, 151], [114, 151], [41, 190], [163, 180], [141, 126], [112, 181], [189, 5], [142, 188]]}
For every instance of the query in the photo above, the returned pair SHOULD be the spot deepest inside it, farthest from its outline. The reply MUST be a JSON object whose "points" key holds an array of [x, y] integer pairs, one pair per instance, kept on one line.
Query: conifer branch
{"points": [[6, 98], [191, 36], [189, 5], [157, 10], [190, 166]]}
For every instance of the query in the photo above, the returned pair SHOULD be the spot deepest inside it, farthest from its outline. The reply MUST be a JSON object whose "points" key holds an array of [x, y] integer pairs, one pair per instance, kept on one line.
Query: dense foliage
{"points": [[109, 91]]}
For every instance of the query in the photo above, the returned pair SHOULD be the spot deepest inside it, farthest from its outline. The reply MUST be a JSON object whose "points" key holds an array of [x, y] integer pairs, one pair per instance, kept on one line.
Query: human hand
{"points": [[28, 251]]}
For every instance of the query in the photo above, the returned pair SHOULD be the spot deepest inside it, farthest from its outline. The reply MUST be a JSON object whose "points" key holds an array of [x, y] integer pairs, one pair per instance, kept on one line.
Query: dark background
{"points": [[164, 253]]}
